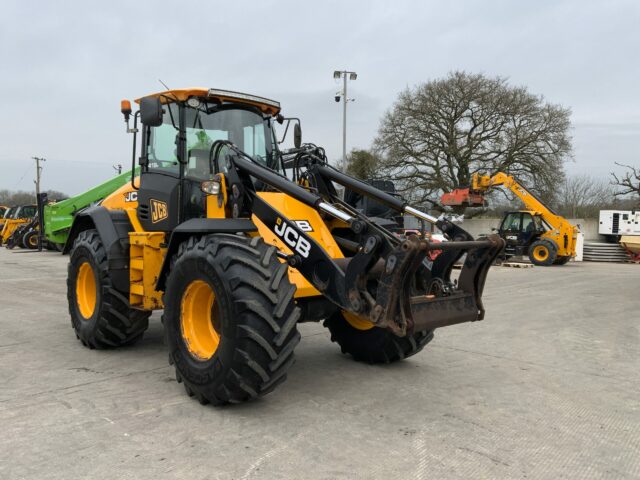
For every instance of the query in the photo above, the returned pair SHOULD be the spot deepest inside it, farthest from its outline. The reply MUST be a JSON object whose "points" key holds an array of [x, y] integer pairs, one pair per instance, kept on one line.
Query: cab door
{"points": [[510, 230], [529, 230], [160, 176]]}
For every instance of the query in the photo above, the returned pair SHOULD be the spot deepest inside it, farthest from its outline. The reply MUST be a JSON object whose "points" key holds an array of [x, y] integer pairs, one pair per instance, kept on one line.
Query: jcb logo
{"points": [[158, 210], [131, 197], [292, 238]]}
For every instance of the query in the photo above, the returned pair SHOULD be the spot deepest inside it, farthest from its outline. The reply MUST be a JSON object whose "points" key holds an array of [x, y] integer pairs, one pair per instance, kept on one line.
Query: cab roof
{"points": [[270, 107]]}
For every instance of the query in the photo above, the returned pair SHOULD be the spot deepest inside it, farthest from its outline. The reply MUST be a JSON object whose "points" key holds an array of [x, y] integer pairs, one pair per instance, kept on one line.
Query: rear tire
{"points": [[543, 252], [243, 347], [374, 345], [30, 240], [100, 315]]}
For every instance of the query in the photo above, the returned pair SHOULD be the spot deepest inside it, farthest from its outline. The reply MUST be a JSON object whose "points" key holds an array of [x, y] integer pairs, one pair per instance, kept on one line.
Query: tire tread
{"points": [[265, 316], [118, 324]]}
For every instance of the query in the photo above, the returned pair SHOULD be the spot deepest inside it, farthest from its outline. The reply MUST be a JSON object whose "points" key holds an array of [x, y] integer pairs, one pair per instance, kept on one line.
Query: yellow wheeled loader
{"points": [[18, 216], [239, 241]]}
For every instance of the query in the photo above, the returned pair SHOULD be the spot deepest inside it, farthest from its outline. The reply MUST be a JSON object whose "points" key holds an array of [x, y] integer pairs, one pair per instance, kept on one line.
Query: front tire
{"points": [[100, 315], [230, 318], [367, 343], [543, 252]]}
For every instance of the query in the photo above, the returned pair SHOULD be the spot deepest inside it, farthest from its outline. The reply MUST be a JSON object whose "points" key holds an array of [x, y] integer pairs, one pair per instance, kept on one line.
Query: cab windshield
{"points": [[247, 129], [27, 211]]}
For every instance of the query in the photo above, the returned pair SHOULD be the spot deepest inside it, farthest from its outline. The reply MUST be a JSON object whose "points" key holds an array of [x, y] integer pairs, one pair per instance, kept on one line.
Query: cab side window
{"points": [[511, 222], [527, 223]]}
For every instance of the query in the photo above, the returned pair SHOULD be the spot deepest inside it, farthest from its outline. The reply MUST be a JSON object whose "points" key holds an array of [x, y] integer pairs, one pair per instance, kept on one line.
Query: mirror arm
{"points": [[284, 135], [288, 120], [133, 153], [143, 160]]}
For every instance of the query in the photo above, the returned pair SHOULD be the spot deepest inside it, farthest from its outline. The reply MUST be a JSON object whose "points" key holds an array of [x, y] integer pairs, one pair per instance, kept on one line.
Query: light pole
{"points": [[352, 76], [39, 201]]}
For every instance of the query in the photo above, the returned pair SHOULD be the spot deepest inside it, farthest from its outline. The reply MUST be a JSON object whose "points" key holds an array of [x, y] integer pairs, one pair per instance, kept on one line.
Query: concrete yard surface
{"points": [[546, 387]]}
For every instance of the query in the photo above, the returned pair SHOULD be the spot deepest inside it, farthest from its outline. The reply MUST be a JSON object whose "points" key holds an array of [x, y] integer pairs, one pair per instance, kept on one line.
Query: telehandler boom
{"points": [[239, 241]]}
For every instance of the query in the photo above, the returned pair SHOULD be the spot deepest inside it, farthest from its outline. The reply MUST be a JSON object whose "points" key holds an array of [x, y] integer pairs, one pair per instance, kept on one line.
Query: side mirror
{"points": [[151, 111], [297, 135]]}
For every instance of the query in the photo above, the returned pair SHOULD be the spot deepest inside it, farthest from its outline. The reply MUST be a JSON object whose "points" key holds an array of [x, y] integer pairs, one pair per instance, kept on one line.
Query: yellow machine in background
{"points": [[5, 212], [538, 231], [22, 214]]}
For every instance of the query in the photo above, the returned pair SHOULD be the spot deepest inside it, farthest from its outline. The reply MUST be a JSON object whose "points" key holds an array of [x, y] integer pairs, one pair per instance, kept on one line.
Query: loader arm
{"points": [[388, 281]]}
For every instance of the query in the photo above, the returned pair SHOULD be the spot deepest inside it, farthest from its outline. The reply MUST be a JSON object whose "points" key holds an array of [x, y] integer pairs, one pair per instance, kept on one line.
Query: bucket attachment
{"points": [[415, 294]]}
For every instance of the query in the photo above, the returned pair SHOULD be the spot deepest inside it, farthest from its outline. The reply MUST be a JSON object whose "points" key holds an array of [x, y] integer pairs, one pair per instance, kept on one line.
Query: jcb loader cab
{"points": [[238, 242]]}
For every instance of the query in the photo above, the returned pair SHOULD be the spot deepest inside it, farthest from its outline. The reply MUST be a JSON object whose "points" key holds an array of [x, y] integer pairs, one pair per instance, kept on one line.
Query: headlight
{"points": [[211, 187]]}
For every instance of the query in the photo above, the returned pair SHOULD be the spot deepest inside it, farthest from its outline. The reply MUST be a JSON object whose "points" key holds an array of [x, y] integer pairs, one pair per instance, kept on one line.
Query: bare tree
{"points": [[629, 183], [582, 196], [20, 197], [438, 134], [55, 195]]}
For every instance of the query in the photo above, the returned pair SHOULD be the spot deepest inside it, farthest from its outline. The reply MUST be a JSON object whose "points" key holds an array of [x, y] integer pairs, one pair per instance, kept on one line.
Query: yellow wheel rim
{"points": [[540, 253], [357, 322], [33, 240], [86, 292], [197, 316]]}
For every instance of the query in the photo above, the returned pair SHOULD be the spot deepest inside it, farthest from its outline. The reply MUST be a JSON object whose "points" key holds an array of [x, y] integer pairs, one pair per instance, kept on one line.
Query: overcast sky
{"points": [[66, 65]]}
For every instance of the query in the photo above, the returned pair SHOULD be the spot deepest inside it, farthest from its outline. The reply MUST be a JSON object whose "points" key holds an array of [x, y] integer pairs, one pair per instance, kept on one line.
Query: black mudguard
{"points": [[199, 227], [113, 226]]}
